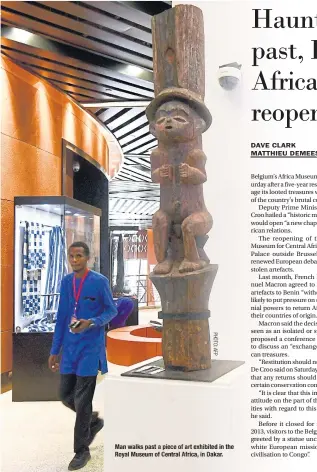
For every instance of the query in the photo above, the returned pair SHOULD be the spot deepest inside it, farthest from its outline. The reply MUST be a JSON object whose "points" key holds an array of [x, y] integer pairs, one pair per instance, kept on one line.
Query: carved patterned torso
{"points": [[178, 200]]}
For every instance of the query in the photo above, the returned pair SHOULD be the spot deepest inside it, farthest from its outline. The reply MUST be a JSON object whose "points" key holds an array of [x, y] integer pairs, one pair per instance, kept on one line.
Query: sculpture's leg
{"points": [[161, 228], [196, 224]]}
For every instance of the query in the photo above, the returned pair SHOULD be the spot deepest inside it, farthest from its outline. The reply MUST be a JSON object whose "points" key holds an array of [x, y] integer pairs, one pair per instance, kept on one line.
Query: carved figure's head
{"points": [[176, 121]]}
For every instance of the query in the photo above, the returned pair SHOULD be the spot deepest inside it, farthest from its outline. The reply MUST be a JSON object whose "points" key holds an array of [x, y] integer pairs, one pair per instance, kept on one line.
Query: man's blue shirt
{"points": [[84, 353]]}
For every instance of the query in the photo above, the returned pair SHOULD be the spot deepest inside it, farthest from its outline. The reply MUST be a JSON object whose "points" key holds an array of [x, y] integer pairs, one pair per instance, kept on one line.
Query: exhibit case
{"points": [[44, 229]]}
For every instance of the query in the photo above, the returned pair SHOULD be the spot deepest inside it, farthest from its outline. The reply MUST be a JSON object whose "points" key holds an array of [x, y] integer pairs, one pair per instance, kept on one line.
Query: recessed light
{"points": [[134, 71], [18, 34]]}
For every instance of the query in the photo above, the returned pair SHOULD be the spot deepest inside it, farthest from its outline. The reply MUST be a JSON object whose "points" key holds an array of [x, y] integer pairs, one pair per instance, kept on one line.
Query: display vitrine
{"points": [[44, 228]]}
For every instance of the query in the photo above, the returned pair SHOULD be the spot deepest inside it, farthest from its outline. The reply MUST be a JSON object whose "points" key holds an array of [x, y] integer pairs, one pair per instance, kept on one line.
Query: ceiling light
{"points": [[134, 70], [120, 104], [17, 34]]}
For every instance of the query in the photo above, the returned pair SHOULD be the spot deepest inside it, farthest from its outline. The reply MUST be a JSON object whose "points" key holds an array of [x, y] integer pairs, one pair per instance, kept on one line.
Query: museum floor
{"points": [[38, 436]]}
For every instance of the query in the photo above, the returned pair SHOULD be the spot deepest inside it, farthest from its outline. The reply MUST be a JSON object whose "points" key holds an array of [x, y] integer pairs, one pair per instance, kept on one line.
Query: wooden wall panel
{"points": [[36, 113], [6, 297], [27, 170], [6, 232], [6, 351], [18, 109], [49, 115], [35, 118]]}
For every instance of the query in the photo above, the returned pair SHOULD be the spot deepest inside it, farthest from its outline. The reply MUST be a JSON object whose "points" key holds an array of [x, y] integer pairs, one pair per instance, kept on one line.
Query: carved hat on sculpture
{"points": [[179, 71]]}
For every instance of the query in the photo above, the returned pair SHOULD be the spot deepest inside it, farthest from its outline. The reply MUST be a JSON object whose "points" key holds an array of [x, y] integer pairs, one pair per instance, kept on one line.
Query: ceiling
{"points": [[97, 51]]}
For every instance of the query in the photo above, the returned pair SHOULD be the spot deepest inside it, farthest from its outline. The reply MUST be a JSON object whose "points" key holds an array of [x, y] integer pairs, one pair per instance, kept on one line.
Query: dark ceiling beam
{"points": [[137, 131], [111, 114], [133, 139], [149, 196], [137, 172], [141, 149], [88, 13], [137, 143], [138, 159], [111, 94], [128, 177], [134, 175], [132, 115], [69, 31], [71, 66], [150, 8], [136, 135], [125, 12], [55, 13], [142, 189], [135, 125], [91, 57], [119, 121]]}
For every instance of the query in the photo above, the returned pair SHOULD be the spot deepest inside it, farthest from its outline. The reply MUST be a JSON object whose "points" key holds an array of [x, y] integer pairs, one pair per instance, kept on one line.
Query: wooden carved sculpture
{"points": [[178, 117]]}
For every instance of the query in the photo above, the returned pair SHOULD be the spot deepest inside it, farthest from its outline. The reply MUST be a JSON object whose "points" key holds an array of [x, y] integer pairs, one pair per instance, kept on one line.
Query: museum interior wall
{"points": [[35, 118]]}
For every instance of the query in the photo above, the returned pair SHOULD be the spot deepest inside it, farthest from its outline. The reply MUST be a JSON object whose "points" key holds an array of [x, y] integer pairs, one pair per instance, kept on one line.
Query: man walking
{"points": [[85, 307]]}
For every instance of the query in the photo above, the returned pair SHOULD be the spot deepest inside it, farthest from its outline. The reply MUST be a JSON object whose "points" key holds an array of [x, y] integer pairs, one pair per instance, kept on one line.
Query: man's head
{"points": [[78, 256]]}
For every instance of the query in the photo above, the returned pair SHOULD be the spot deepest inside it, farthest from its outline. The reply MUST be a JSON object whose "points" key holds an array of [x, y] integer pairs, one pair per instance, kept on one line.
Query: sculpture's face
{"points": [[175, 121]]}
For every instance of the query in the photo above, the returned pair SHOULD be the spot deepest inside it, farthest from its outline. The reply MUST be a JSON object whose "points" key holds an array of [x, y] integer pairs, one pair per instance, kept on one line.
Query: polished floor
{"points": [[38, 436]]}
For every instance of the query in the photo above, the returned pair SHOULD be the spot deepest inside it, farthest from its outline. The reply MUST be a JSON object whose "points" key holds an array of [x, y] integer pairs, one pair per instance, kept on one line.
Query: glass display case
{"points": [[44, 229]]}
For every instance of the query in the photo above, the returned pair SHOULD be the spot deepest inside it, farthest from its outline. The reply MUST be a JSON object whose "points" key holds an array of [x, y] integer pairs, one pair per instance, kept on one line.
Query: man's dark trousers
{"points": [[77, 393]]}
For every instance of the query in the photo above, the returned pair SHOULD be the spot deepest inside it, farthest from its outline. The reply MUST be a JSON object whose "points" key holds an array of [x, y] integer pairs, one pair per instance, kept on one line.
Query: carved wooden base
{"points": [[186, 345], [186, 336]]}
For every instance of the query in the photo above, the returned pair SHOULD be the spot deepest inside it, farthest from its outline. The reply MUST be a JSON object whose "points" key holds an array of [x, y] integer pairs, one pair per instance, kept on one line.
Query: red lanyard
{"points": [[77, 295]]}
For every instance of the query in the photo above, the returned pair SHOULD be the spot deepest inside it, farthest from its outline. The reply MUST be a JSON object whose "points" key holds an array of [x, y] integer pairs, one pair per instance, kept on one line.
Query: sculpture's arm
{"points": [[193, 171], [159, 173], [155, 166]]}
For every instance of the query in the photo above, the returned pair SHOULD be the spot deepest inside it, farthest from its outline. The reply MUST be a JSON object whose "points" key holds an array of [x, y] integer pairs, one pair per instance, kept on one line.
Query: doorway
{"points": [[84, 180]]}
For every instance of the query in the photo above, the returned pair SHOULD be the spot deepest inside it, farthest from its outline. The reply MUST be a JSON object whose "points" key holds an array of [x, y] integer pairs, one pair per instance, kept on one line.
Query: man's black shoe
{"points": [[80, 460], [96, 426]]}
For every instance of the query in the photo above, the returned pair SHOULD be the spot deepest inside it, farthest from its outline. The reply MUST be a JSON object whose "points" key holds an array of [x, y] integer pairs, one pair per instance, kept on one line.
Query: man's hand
{"points": [[53, 363], [84, 324], [166, 172]]}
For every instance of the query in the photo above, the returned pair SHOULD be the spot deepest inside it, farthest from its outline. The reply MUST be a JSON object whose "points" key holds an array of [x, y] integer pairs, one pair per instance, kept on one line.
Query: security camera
{"points": [[76, 166], [229, 75]]}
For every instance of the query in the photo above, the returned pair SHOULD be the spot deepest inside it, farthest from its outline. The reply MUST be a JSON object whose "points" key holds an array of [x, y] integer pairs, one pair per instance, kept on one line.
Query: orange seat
{"points": [[132, 344]]}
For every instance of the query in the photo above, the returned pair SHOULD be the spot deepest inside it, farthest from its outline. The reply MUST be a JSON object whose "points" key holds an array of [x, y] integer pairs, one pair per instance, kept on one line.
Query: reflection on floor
{"points": [[38, 436]]}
